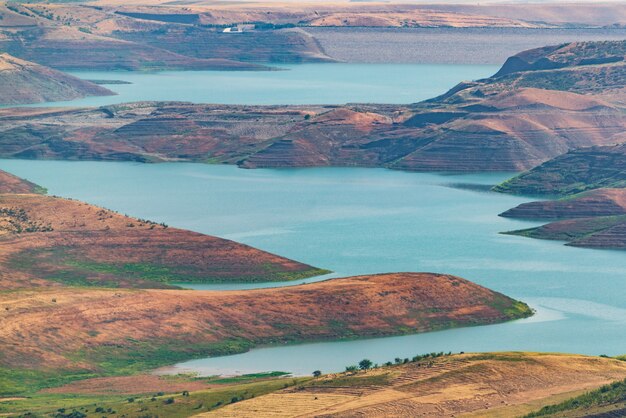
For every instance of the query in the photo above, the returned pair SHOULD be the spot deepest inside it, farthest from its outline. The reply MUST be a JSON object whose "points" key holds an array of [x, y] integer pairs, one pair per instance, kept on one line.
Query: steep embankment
{"points": [[574, 172], [594, 183], [52, 239], [26, 82], [476, 385], [117, 331]]}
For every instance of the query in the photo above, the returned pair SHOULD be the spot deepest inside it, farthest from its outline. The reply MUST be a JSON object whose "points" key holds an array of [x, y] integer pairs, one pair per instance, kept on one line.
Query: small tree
{"points": [[351, 368], [365, 364], [317, 373]]}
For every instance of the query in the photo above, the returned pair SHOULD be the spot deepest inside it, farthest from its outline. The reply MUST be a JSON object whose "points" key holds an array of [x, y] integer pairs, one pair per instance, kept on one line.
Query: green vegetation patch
{"points": [[15, 382], [182, 404], [64, 265], [127, 358], [570, 231], [248, 377], [612, 394], [130, 357]]}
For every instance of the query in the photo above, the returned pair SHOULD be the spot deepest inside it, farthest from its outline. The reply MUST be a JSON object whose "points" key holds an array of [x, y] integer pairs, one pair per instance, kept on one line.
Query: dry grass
{"points": [[496, 385]]}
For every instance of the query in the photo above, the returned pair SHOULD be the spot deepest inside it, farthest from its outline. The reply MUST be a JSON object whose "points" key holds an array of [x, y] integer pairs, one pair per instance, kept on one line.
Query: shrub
{"points": [[365, 364], [317, 373]]}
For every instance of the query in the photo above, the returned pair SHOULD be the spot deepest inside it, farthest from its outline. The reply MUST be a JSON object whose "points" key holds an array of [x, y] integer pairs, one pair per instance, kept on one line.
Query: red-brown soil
{"points": [[12, 184], [600, 202], [45, 328], [26, 82], [76, 243], [509, 131]]}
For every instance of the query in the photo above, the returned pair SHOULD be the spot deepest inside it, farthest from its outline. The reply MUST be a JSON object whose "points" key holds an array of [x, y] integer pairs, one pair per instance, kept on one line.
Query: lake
{"points": [[294, 84], [446, 45], [359, 221]]}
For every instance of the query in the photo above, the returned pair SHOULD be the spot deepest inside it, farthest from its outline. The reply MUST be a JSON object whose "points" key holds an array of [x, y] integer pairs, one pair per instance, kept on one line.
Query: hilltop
{"points": [[119, 331], [26, 82], [508, 122], [44, 240]]}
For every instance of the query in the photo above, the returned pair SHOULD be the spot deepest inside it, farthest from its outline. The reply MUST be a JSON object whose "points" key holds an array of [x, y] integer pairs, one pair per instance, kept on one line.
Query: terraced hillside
{"points": [[574, 172], [26, 82], [491, 125], [37, 34], [593, 211], [598, 202], [469, 385]]}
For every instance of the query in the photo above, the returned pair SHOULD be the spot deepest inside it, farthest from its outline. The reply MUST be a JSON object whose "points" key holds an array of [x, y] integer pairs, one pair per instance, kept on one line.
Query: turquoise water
{"points": [[358, 221], [296, 84]]}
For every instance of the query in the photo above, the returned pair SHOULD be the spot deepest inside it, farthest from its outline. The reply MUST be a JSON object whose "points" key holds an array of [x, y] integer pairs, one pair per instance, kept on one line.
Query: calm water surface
{"points": [[358, 221], [296, 84]]}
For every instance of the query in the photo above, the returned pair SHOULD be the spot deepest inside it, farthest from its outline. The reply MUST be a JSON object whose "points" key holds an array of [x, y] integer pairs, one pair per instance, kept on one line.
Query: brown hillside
{"points": [[12, 184], [67, 42], [600, 202], [593, 232], [108, 324], [26, 82], [76, 243], [509, 131]]}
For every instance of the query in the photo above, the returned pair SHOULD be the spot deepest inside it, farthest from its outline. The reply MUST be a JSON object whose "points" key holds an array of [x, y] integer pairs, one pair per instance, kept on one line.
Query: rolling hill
{"points": [[26, 82]]}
